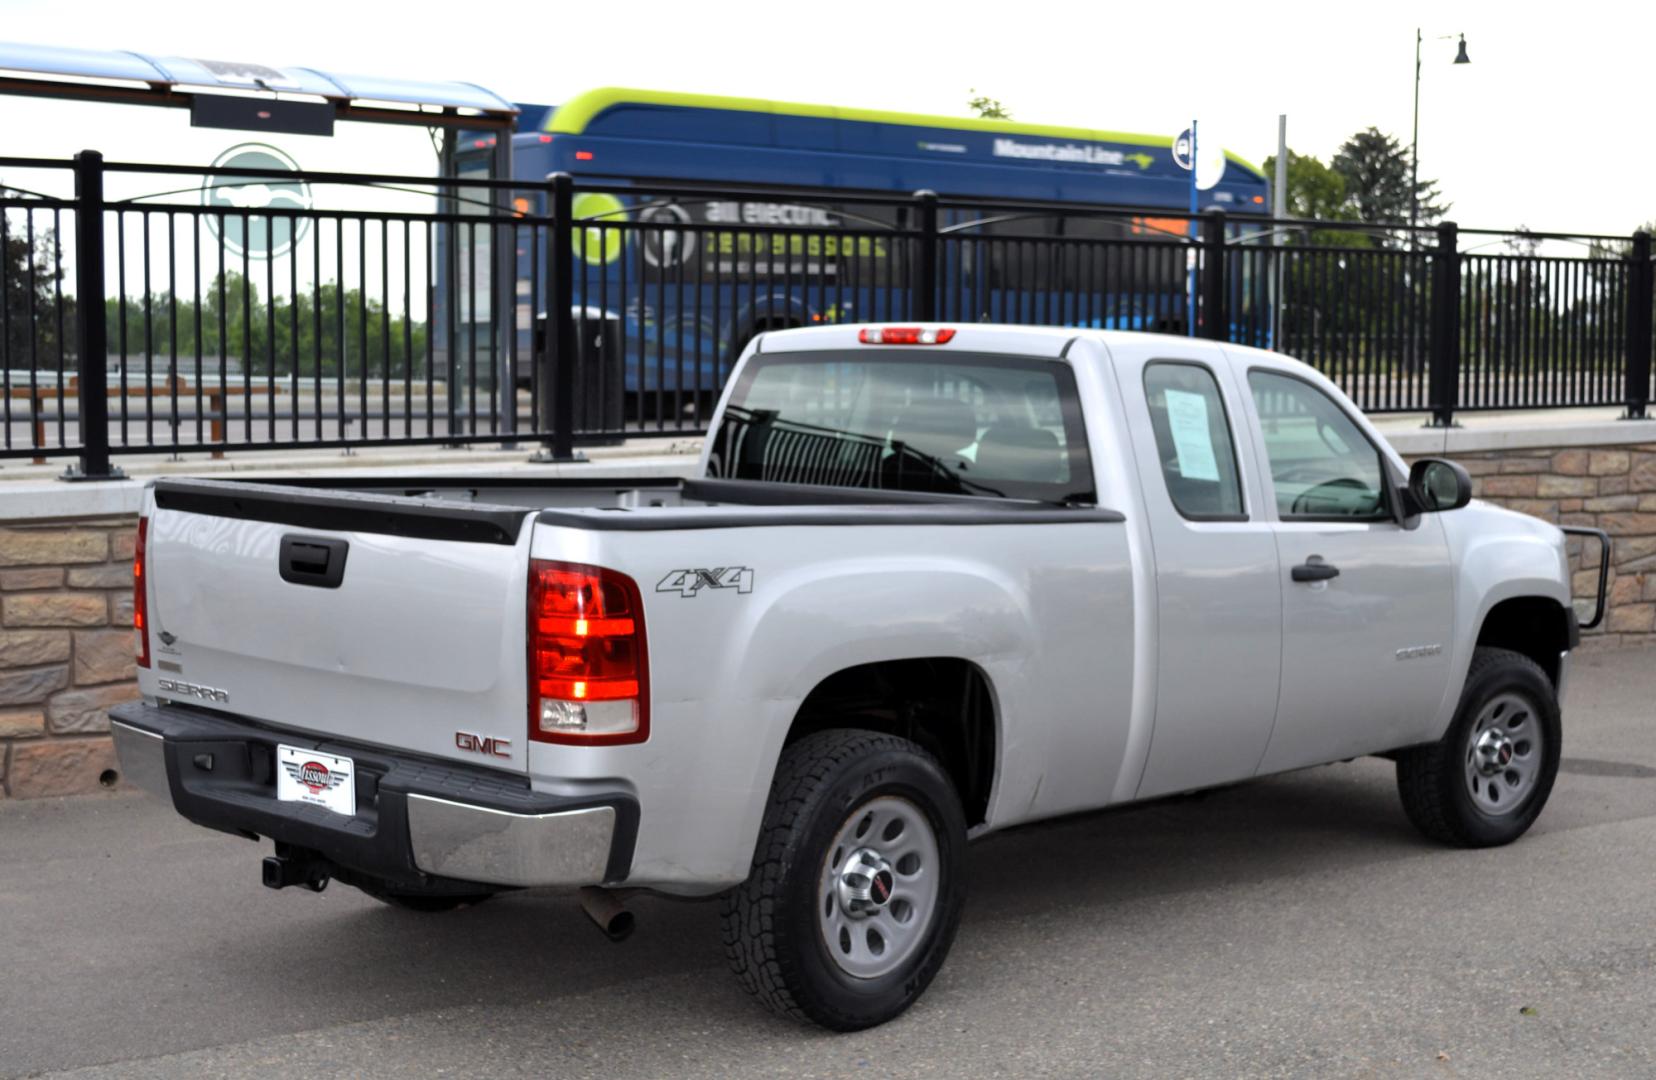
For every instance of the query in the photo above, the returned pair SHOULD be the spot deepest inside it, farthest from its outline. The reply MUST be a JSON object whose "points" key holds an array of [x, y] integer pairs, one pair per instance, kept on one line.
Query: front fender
{"points": [[1498, 555]]}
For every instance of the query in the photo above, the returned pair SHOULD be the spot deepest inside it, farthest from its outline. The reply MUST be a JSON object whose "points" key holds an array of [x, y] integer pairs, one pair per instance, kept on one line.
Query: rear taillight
{"points": [[140, 602], [905, 335], [589, 678]]}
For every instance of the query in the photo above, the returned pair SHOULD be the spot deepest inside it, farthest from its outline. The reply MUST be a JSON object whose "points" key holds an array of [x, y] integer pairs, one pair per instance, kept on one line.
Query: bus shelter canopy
{"points": [[137, 78]]}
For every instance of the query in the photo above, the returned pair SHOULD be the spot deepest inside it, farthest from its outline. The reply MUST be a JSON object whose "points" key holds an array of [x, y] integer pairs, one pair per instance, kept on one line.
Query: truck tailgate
{"points": [[418, 645]]}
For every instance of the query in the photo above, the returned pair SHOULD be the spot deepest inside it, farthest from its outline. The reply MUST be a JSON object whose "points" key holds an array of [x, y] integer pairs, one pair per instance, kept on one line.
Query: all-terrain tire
{"points": [[1459, 791], [858, 825]]}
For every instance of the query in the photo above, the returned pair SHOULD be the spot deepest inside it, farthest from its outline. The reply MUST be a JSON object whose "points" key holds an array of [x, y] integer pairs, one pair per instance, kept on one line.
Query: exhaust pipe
{"points": [[606, 910]]}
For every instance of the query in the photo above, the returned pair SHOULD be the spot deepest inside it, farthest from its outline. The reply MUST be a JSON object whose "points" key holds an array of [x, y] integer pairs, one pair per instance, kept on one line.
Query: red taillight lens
{"points": [[905, 335], [589, 678], [140, 592]]}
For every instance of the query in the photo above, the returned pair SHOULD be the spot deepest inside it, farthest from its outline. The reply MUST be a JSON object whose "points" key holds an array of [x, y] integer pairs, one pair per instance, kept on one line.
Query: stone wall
{"points": [[1609, 488], [66, 651]]}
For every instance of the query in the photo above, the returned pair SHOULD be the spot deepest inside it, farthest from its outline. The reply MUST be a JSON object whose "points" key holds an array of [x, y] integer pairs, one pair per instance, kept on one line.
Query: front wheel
{"points": [[857, 883], [1484, 783]]}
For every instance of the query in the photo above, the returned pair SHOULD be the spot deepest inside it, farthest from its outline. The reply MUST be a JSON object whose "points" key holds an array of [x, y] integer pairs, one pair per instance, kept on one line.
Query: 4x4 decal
{"points": [[690, 582]]}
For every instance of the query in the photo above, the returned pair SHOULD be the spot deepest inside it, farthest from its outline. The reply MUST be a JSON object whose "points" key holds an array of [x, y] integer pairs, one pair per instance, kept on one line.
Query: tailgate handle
{"points": [[313, 560]]}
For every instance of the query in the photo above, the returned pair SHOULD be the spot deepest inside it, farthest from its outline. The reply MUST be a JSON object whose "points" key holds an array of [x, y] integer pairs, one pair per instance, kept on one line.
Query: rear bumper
{"points": [[419, 823]]}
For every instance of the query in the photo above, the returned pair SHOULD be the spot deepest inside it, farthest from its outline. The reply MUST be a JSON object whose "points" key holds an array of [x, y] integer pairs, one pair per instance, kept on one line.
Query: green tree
{"points": [[1339, 298], [318, 332], [987, 107], [31, 281], [1314, 190], [1318, 193], [1377, 173]]}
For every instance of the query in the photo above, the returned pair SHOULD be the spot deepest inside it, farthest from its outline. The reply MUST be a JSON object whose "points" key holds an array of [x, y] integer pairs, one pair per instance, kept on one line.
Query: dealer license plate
{"points": [[320, 779]]}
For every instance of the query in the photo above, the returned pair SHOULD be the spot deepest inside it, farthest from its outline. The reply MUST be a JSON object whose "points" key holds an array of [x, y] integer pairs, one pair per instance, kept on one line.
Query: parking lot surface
{"points": [[1296, 926]]}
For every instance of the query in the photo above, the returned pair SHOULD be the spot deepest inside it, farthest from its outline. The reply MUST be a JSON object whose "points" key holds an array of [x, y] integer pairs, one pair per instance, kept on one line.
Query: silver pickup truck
{"points": [[930, 583]]}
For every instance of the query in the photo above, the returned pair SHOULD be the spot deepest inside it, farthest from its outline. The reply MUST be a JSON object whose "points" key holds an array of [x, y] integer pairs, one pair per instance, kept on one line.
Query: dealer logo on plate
{"points": [[313, 775]]}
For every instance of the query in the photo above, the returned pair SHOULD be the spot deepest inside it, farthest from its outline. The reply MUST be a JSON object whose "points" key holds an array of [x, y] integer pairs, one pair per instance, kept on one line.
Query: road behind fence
{"points": [[233, 310]]}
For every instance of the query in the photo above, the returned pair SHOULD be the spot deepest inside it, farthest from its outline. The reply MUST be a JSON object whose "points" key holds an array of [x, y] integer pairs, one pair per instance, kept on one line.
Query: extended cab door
{"points": [[1367, 603], [1218, 597]]}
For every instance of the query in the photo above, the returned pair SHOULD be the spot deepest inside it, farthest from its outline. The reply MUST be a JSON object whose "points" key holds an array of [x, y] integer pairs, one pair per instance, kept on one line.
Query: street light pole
{"points": [[1414, 148], [1414, 141]]}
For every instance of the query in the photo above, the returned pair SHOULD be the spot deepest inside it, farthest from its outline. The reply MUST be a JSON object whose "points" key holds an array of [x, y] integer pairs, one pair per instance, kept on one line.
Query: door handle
{"points": [[1314, 569]]}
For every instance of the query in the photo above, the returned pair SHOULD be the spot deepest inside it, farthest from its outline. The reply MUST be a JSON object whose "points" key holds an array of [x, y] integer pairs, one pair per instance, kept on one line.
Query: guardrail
{"points": [[571, 311]]}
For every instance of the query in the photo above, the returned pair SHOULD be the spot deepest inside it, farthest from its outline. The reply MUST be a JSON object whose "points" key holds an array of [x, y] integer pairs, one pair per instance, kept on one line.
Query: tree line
{"points": [[323, 331], [1369, 180], [1373, 310], [326, 331]]}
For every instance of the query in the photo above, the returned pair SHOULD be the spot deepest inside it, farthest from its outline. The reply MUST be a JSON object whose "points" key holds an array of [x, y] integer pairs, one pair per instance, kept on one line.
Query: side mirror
{"points": [[1436, 485]]}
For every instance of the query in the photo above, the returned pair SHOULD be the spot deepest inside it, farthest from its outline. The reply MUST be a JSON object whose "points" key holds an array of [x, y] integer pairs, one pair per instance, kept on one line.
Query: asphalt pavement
{"points": [[1296, 926]]}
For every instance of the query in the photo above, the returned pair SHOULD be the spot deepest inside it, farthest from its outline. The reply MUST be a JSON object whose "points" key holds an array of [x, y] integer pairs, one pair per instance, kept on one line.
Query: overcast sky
{"points": [[1544, 128]]}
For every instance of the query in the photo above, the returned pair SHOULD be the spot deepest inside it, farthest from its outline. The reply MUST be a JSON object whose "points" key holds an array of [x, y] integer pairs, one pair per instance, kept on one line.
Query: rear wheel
{"points": [[1485, 782], [857, 887]]}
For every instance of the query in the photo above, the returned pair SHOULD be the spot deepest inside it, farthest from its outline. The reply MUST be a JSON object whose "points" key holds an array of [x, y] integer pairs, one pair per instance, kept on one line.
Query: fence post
{"points": [[925, 287], [558, 357], [1639, 301], [503, 292], [1443, 336], [1215, 317], [91, 336]]}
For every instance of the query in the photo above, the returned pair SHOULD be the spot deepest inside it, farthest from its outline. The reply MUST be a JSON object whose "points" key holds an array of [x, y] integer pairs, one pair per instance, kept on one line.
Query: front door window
{"points": [[1322, 466]]}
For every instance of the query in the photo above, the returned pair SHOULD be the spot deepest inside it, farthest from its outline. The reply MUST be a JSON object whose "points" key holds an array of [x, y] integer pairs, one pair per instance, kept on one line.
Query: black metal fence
{"points": [[168, 308]]}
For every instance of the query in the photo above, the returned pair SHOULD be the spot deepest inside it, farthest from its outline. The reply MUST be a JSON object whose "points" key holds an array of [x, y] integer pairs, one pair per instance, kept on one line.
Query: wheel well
{"points": [[942, 703], [1532, 625]]}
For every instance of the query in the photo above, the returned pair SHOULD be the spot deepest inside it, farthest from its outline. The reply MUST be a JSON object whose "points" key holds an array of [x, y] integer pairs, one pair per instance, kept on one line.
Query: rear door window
{"points": [[1194, 441]]}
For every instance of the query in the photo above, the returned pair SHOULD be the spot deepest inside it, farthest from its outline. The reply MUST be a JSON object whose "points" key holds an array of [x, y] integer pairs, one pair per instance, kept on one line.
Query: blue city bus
{"points": [[787, 159]]}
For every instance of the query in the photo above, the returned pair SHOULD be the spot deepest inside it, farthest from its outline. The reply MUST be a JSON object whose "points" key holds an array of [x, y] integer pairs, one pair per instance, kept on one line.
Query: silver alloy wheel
{"points": [[879, 887], [1504, 751]]}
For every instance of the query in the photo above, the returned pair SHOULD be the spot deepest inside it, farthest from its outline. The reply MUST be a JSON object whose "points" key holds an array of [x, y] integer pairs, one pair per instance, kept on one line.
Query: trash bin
{"points": [[600, 372]]}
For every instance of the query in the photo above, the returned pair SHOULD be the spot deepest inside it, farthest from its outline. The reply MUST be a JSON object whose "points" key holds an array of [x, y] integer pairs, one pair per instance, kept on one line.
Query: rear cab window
{"points": [[966, 424]]}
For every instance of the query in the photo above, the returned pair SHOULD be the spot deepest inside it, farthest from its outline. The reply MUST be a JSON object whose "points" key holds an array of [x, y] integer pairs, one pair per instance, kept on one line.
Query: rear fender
{"points": [[829, 617]]}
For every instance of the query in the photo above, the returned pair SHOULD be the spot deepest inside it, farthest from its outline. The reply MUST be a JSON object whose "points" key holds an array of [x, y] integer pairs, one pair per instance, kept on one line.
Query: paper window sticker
{"points": [[1187, 418]]}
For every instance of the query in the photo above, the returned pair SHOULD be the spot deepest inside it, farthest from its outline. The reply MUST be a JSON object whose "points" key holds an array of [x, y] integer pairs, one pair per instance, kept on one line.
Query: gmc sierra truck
{"points": [[929, 583]]}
